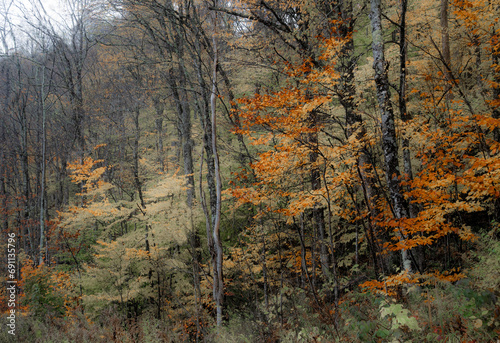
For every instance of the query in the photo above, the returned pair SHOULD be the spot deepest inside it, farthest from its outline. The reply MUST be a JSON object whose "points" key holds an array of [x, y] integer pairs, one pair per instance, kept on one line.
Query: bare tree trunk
{"points": [[187, 142], [445, 41], [159, 107], [26, 181], [206, 124], [389, 142], [264, 265], [218, 276], [137, 180], [184, 128], [196, 248], [43, 165], [204, 40], [354, 123], [406, 117], [318, 212], [496, 90], [3, 192], [496, 96]]}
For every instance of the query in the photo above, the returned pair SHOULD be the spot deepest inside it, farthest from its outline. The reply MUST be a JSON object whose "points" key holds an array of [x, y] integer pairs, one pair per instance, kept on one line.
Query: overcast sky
{"points": [[23, 16], [17, 9]]}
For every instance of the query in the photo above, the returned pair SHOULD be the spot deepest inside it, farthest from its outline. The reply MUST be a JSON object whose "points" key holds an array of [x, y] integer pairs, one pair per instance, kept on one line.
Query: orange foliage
{"points": [[85, 172], [458, 168], [390, 285], [54, 290]]}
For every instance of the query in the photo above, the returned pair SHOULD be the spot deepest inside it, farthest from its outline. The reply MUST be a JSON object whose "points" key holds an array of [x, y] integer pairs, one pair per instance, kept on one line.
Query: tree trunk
{"points": [[318, 212], [187, 142], [159, 107], [206, 124], [218, 275], [184, 127], [137, 180], [445, 42], [496, 77], [26, 188], [43, 167], [389, 142], [354, 123], [3, 193]]}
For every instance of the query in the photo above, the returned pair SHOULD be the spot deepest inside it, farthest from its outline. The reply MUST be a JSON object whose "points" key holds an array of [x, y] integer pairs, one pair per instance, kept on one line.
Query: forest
{"points": [[250, 171]]}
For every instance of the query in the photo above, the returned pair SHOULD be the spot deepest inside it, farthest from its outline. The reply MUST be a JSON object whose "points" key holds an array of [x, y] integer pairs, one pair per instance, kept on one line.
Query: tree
{"points": [[389, 141]]}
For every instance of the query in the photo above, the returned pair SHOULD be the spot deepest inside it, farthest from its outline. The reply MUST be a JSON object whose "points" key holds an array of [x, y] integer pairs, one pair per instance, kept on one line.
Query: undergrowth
{"points": [[439, 311]]}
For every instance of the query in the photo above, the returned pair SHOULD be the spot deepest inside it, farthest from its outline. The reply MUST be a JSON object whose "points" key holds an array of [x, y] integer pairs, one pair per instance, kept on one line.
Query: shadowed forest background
{"points": [[251, 171]]}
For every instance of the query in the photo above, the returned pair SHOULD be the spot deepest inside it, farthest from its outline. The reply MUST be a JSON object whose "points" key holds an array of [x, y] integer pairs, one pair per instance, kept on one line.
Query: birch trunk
{"points": [[389, 142]]}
